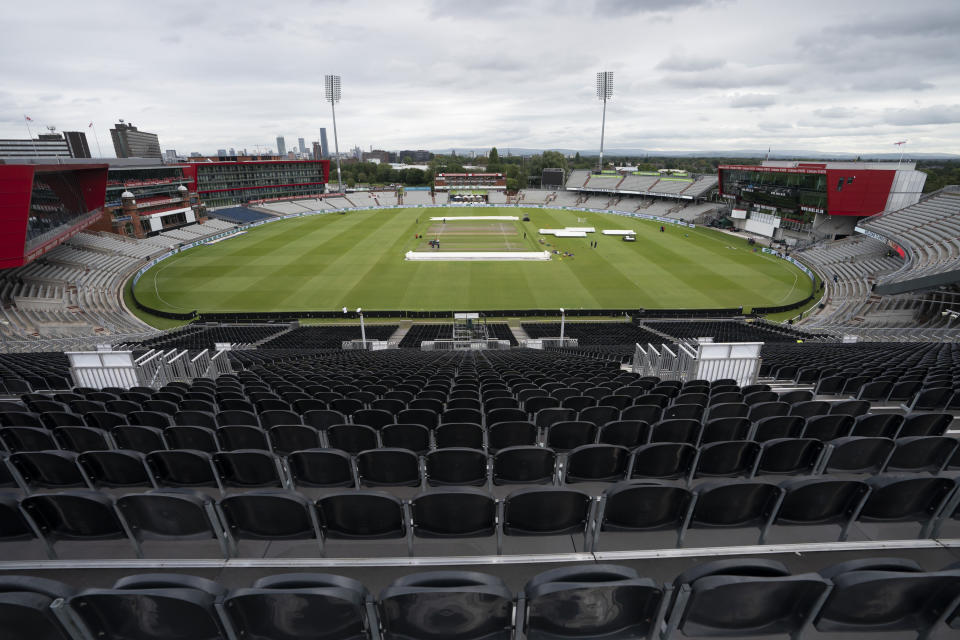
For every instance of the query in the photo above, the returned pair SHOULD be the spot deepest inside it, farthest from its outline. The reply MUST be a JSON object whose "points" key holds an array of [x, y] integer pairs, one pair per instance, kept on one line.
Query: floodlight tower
{"points": [[604, 92], [331, 85]]}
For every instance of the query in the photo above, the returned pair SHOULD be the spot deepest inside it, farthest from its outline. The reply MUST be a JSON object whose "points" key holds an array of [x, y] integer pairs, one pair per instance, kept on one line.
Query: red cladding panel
{"points": [[16, 182], [865, 196]]}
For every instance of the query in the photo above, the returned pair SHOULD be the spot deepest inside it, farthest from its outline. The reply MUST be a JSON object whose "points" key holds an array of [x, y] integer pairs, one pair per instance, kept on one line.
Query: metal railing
{"points": [[463, 345]]}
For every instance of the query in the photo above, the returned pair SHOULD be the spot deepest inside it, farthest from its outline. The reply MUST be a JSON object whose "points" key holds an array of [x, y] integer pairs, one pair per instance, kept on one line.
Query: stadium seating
{"points": [[742, 597], [729, 331], [327, 337], [420, 332], [928, 230], [239, 215]]}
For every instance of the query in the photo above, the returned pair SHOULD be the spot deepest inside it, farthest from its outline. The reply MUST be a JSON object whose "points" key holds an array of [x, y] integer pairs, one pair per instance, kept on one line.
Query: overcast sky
{"points": [[835, 75]]}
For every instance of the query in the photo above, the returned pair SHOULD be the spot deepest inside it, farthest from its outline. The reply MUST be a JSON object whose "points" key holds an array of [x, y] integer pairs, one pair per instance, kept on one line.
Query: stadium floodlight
{"points": [[331, 86], [604, 92], [363, 331]]}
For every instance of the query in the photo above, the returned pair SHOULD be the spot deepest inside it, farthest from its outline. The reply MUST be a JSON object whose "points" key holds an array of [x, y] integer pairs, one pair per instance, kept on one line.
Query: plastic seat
{"points": [[505, 414], [427, 417], [676, 430], [925, 424], [195, 418], [644, 413], [105, 420], [388, 467], [906, 499], [739, 598], [850, 408], [115, 469], [138, 438], [502, 435], [248, 468], [321, 468], [287, 438], [542, 511], [524, 465], [727, 459], [858, 455], [361, 514], [625, 433], [268, 514], [198, 438], [234, 437], [27, 439], [440, 605], [642, 506], [596, 463], [544, 418], [880, 425], [921, 453], [456, 466], [74, 515], [376, 418], [298, 605], [662, 460], [25, 612], [323, 418], [453, 512], [459, 434], [810, 408], [778, 427], [587, 602], [181, 606], [763, 410], [173, 514], [352, 438], [877, 595], [828, 427], [599, 415], [414, 437], [150, 419], [735, 503], [182, 468], [48, 469], [789, 456], [930, 399], [684, 411], [819, 501], [567, 435], [722, 429]]}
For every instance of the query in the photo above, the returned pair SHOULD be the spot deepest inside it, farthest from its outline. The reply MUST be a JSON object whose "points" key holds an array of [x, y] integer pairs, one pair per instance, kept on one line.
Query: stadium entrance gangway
{"points": [[704, 360], [154, 369]]}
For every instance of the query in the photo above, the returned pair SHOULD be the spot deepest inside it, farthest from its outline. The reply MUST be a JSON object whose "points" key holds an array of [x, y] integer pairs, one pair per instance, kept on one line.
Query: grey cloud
{"points": [[425, 74], [939, 114], [835, 112], [690, 63], [753, 101], [617, 8]]}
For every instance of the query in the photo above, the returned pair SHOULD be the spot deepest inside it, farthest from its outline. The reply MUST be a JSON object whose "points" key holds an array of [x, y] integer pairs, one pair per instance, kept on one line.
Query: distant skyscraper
{"points": [[170, 155], [130, 143], [221, 152], [233, 151], [303, 146], [281, 146], [317, 151], [77, 143], [324, 149]]}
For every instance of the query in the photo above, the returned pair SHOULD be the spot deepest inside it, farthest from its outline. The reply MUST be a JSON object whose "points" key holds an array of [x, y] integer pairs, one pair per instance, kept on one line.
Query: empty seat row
{"points": [[84, 515], [728, 598]]}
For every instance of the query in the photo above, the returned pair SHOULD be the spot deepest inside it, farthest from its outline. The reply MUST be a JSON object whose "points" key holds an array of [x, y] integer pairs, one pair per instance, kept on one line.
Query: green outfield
{"points": [[357, 260]]}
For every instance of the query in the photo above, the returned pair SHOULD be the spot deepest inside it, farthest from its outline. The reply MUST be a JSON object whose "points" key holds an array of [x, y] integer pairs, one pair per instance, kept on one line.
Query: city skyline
{"points": [[691, 75]]}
